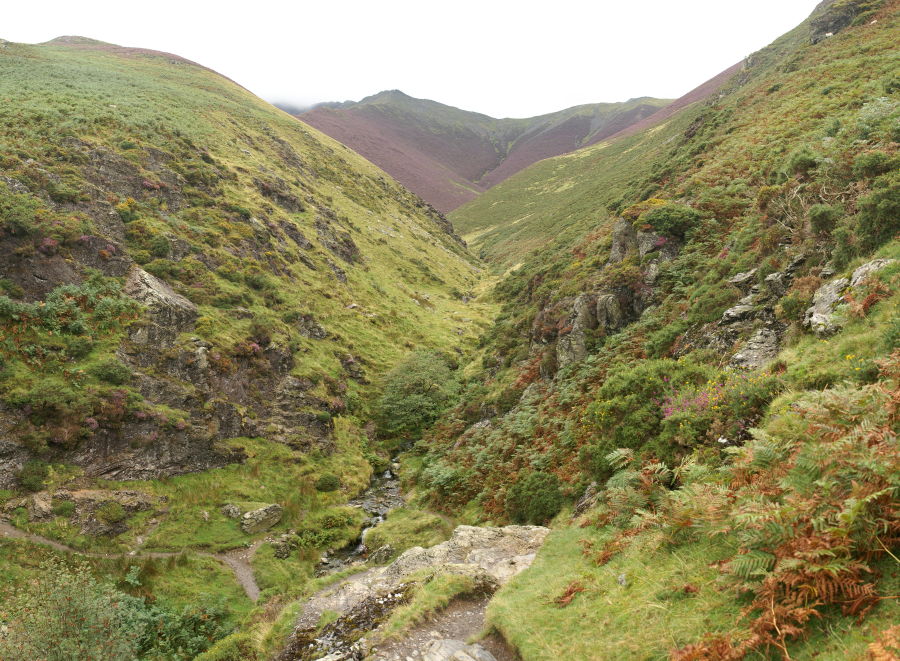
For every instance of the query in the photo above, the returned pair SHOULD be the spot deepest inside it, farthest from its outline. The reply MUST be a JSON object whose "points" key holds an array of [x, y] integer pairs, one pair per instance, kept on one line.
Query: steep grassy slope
{"points": [[191, 279], [701, 323], [447, 155]]}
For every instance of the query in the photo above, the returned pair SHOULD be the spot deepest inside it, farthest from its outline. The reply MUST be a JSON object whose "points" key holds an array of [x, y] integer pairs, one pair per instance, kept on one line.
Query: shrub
{"points": [[64, 508], [822, 217], [112, 371], [416, 392], [328, 482], [872, 164], [801, 161], [879, 211], [33, 475], [45, 614], [535, 498], [111, 512], [671, 219]]}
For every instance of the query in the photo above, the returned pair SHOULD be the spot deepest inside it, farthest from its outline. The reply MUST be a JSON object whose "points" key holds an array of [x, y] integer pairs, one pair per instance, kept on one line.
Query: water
{"points": [[382, 495]]}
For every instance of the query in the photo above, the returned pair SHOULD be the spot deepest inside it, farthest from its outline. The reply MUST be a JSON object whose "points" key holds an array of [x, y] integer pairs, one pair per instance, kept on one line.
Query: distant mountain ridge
{"points": [[448, 156]]}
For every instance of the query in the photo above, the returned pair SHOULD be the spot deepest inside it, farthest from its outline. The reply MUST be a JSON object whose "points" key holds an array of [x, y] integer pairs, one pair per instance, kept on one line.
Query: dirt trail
{"points": [[237, 560], [461, 620]]}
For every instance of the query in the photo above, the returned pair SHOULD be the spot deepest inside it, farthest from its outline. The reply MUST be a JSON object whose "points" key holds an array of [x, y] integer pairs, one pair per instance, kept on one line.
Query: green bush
{"points": [[879, 211], [416, 392], [671, 219], [111, 512], [801, 161], [111, 371], [628, 411], [535, 498], [872, 164], [33, 475], [822, 217], [328, 482], [46, 612]]}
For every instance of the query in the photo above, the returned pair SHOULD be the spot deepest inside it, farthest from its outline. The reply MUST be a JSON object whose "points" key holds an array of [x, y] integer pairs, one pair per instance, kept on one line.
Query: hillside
{"points": [[695, 369], [447, 155], [191, 280]]}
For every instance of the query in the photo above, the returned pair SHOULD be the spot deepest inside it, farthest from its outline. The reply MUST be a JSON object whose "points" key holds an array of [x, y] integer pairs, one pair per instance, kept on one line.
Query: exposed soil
{"points": [[461, 620]]}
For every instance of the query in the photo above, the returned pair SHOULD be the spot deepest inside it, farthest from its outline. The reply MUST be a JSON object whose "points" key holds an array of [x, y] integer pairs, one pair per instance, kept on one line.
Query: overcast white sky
{"points": [[505, 58]]}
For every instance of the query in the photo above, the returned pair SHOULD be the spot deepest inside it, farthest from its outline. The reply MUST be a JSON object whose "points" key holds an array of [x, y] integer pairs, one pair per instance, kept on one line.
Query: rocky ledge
{"points": [[491, 556]]}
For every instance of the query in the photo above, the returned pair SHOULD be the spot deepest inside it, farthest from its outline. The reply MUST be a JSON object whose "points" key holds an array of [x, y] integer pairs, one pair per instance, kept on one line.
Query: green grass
{"points": [[406, 527], [601, 622]]}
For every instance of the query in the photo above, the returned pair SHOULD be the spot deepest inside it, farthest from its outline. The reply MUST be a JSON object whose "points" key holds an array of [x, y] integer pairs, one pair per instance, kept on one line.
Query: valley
{"points": [[261, 399]]}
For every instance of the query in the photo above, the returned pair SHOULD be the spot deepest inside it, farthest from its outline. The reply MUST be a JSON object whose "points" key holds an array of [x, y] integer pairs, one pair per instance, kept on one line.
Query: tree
{"points": [[416, 392]]}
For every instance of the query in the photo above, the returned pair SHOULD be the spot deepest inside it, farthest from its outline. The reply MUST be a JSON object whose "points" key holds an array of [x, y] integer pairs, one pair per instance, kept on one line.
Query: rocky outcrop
{"points": [[261, 519], [168, 313], [489, 556], [823, 318], [624, 241], [832, 16]]}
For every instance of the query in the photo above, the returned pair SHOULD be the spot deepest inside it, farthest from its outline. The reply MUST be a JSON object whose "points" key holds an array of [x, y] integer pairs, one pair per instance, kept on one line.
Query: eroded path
{"points": [[462, 620], [237, 560]]}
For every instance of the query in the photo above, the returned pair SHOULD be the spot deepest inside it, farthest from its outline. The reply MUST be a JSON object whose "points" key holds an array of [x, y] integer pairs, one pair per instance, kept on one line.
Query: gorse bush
{"points": [[416, 392], [112, 371], [535, 498], [671, 219]]}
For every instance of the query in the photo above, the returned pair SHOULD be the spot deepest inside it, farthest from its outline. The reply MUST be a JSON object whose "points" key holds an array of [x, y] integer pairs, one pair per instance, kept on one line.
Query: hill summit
{"points": [[448, 156]]}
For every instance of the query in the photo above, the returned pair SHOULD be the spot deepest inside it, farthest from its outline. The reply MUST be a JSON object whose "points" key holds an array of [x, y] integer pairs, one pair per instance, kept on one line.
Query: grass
{"points": [[600, 622], [406, 527], [603, 617]]}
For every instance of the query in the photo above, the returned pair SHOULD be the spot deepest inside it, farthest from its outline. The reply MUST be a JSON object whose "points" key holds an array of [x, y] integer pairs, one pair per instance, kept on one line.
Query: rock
{"points": [[759, 350], [307, 326], [777, 283], [168, 313], [454, 650], [624, 240], [609, 312], [587, 500], [864, 271], [738, 313], [261, 519], [39, 506], [820, 317], [381, 555], [442, 650], [500, 552], [744, 280], [231, 511], [281, 549], [572, 347]]}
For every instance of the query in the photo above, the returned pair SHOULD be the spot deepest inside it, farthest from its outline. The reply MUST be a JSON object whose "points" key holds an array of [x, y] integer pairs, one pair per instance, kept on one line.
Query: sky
{"points": [[502, 58]]}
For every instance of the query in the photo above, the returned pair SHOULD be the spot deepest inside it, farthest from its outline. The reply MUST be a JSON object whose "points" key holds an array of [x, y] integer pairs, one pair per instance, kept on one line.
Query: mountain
{"points": [[447, 155]]}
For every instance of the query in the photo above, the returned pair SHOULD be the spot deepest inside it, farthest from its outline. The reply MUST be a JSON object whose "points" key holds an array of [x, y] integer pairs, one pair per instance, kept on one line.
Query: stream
{"points": [[380, 497]]}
